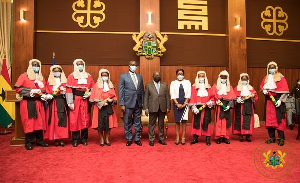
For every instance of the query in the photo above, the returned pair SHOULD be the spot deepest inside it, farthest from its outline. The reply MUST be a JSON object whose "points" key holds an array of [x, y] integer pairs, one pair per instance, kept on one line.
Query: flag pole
{"points": [[5, 129]]}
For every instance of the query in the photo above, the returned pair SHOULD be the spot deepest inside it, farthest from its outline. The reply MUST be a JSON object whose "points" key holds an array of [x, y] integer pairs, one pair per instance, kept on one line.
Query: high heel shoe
{"points": [[183, 140], [177, 141], [107, 143]]}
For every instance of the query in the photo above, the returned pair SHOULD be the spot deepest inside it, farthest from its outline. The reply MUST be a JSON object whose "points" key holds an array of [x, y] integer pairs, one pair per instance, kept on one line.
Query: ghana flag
{"points": [[7, 109]]}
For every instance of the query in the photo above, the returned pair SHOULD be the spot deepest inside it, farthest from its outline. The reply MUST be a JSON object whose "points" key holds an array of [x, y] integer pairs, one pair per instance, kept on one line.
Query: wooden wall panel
{"points": [[236, 38], [23, 37], [256, 77], [153, 6]]}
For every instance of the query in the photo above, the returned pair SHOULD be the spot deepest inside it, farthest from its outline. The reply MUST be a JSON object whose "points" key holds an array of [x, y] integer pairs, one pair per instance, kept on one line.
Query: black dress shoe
{"points": [[208, 141], [84, 143], [56, 143], [270, 140], [128, 143], [101, 145], [226, 141], [43, 144], [28, 146], [291, 126], [108, 144], [62, 143], [151, 143], [162, 142], [241, 139], [218, 141], [177, 143], [138, 142], [248, 138], [75, 144], [280, 142], [194, 141]]}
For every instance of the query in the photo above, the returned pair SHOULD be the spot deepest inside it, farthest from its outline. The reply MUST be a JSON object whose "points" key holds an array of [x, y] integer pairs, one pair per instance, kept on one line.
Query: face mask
{"points": [[132, 68], [157, 79], [56, 74], [201, 80], [272, 71], [223, 81], [104, 78], [36, 69], [80, 68], [180, 77], [244, 82], [298, 82]]}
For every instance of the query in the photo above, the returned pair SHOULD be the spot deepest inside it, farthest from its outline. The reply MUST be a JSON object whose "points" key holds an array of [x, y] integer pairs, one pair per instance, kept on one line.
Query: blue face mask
{"points": [[56, 74], [272, 71], [132, 68], [244, 82], [80, 68], [180, 77], [36, 69], [104, 78]]}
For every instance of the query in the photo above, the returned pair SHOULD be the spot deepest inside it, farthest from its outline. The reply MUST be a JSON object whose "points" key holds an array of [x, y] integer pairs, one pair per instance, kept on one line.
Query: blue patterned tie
{"points": [[157, 87]]}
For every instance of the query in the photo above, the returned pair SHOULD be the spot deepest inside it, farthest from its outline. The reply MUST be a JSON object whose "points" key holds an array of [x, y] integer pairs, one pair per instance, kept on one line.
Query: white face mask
{"points": [[298, 82], [201, 80], [56, 74], [104, 78], [223, 81], [272, 71]]}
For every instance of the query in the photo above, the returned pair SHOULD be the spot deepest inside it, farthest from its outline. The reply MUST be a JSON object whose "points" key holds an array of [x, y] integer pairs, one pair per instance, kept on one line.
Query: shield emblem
{"points": [[149, 47]]}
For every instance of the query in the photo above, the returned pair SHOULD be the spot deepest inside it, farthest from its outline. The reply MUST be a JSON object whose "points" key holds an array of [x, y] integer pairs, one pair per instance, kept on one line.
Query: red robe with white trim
{"points": [[80, 117], [96, 94], [53, 130], [244, 131], [196, 100], [221, 129], [39, 123], [271, 119]]}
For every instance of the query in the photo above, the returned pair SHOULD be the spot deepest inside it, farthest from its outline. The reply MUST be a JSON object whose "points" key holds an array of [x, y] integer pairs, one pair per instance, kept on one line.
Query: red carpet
{"points": [[118, 163]]}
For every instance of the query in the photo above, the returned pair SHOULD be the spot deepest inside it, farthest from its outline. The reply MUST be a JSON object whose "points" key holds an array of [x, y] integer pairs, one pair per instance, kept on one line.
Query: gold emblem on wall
{"points": [[192, 13], [150, 46], [88, 13], [274, 20]]}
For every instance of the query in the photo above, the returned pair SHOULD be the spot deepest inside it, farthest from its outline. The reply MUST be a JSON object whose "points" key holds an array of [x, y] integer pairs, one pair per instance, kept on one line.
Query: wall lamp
{"points": [[22, 15], [237, 22], [149, 18]]}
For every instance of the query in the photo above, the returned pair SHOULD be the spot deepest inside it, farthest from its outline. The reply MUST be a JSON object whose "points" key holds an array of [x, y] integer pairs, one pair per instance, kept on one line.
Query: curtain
{"points": [[5, 32]]}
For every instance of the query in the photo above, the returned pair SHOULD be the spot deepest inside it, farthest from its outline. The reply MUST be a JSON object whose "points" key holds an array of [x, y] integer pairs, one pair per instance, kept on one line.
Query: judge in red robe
{"points": [[201, 95], [57, 116], [225, 95], [31, 87], [275, 112], [243, 120], [79, 86], [104, 113]]}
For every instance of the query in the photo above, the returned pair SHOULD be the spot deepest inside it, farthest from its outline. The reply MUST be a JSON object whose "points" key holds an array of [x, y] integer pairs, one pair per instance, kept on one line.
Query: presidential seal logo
{"points": [[273, 161]]}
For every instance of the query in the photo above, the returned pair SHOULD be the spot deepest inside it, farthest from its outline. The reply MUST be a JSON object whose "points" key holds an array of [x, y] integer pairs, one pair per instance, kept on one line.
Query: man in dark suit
{"points": [[131, 98], [157, 104]]}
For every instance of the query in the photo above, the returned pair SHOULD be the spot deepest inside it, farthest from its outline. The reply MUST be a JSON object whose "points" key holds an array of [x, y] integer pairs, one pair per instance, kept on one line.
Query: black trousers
{"points": [[76, 136], [152, 120], [29, 137], [271, 132]]}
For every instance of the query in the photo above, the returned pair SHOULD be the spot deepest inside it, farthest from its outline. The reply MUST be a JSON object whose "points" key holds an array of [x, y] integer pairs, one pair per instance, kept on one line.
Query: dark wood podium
{"points": [[19, 138]]}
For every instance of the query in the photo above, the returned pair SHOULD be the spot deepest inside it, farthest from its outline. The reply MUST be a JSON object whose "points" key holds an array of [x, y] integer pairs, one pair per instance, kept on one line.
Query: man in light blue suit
{"points": [[131, 98]]}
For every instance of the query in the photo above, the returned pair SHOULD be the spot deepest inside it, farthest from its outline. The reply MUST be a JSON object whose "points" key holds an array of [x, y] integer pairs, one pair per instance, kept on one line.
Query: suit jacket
{"points": [[128, 93], [153, 101]]}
